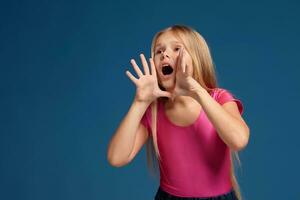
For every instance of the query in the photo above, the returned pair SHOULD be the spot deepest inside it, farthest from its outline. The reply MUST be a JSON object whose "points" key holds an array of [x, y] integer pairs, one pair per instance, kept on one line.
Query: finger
{"points": [[189, 69], [153, 69], [131, 77], [188, 64], [183, 61], [136, 68], [165, 94], [145, 64], [179, 60]]}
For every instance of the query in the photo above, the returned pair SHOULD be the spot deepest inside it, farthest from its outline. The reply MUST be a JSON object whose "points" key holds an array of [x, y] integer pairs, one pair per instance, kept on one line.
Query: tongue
{"points": [[166, 70]]}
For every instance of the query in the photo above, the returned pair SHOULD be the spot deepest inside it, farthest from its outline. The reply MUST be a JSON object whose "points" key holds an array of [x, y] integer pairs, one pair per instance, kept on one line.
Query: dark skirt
{"points": [[162, 195]]}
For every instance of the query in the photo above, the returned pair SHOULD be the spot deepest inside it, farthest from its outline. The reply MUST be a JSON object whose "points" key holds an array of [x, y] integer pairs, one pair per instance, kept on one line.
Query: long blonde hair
{"points": [[203, 73]]}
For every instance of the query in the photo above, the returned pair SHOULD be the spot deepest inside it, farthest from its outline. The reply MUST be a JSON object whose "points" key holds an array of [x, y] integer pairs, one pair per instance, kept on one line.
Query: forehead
{"points": [[167, 38]]}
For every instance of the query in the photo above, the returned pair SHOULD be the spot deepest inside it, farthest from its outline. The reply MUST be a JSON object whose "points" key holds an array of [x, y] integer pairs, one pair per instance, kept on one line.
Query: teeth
{"points": [[165, 65]]}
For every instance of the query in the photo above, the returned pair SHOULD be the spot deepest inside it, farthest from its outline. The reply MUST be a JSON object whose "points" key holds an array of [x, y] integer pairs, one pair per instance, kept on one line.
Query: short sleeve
{"points": [[224, 96], [146, 120]]}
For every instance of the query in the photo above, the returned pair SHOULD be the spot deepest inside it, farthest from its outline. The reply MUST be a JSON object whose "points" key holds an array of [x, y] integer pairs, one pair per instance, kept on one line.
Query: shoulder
{"points": [[220, 91], [227, 98], [222, 94]]}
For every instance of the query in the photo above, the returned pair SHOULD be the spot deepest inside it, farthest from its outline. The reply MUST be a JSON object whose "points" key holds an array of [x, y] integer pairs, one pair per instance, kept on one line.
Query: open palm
{"points": [[147, 89]]}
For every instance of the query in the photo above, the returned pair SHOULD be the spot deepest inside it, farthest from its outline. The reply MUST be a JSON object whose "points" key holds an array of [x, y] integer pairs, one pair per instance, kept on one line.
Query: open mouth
{"points": [[167, 70]]}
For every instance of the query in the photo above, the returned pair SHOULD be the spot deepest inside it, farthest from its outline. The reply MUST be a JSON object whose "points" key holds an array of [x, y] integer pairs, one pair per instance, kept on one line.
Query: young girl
{"points": [[193, 125]]}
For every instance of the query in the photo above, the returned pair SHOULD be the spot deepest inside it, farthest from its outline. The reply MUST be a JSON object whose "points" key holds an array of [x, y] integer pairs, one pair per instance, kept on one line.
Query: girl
{"points": [[192, 125]]}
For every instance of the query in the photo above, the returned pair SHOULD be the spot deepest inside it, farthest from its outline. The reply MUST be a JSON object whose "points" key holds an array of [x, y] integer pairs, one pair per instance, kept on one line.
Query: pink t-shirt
{"points": [[195, 162]]}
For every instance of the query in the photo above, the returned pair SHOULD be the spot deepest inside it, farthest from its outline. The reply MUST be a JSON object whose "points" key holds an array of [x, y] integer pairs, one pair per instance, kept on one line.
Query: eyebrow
{"points": [[174, 42]]}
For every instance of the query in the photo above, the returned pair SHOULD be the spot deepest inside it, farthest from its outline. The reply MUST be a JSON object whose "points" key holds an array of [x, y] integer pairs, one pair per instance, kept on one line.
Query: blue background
{"points": [[64, 91]]}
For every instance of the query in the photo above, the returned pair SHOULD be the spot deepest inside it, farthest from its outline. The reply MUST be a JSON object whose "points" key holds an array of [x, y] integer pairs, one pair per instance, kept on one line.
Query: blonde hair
{"points": [[203, 73]]}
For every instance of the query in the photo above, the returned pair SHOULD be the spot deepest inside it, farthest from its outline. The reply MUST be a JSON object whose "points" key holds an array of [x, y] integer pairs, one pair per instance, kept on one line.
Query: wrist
{"points": [[198, 93], [140, 103], [138, 107]]}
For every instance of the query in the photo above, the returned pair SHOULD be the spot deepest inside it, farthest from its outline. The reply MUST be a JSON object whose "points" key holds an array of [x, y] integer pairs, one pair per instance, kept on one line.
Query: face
{"points": [[166, 54], [166, 51]]}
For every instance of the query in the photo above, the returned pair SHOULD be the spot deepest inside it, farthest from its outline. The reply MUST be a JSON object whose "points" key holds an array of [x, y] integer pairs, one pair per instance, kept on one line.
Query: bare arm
{"points": [[123, 141], [227, 120], [131, 134]]}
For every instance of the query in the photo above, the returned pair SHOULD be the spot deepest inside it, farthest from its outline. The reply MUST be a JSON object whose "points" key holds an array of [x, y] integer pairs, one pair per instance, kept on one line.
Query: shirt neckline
{"points": [[176, 125], [180, 126]]}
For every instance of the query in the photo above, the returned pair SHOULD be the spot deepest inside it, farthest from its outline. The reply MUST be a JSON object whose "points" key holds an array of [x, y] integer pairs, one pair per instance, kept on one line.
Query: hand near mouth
{"points": [[185, 84], [147, 89]]}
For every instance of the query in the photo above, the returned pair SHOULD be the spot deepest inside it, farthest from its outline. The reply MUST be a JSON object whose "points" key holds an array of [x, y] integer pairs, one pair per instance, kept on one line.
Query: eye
{"points": [[158, 51], [177, 48]]}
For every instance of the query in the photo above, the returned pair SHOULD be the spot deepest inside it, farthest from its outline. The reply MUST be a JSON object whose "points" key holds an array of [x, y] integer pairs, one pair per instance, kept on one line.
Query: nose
{"points": [[164, 54]]}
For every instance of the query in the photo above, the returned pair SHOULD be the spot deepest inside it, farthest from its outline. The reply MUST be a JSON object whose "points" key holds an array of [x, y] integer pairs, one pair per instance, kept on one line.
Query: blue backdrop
{"points": [[64, 92]]}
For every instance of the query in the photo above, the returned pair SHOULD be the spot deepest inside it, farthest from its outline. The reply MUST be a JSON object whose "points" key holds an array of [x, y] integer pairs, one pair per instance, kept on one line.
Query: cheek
{"points": [[156, 63]]}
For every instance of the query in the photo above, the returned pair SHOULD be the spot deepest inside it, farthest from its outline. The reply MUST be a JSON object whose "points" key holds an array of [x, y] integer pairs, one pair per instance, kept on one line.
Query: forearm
{"points": [[230, 129], [122, 142]]}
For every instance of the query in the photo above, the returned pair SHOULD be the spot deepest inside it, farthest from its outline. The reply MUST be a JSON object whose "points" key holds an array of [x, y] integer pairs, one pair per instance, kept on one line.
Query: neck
{"points": [[179, 101]]}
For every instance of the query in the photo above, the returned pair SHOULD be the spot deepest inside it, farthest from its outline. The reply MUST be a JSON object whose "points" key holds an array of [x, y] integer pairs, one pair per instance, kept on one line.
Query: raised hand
{"points": [[185, 84], [147, 89]]}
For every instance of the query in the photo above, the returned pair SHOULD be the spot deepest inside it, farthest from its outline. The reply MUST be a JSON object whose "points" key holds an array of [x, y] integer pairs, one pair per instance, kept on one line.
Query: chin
{"points": [[168, 85]]}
